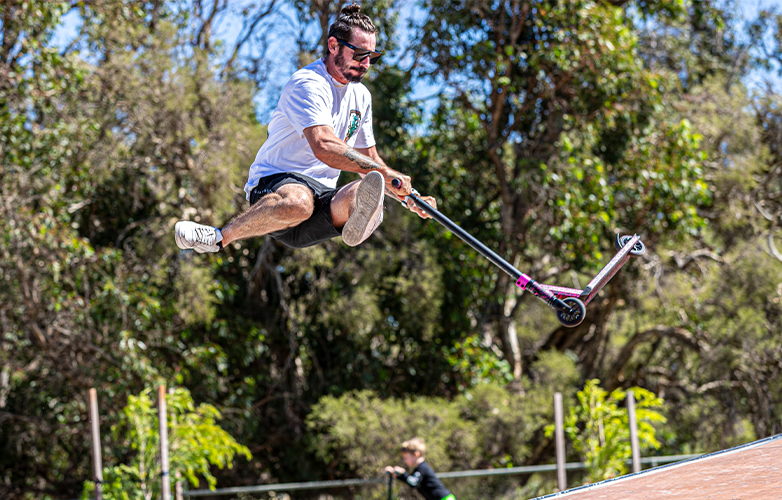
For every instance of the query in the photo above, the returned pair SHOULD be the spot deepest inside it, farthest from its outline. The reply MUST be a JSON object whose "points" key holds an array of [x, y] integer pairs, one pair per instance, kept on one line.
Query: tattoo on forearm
{"points": [[364, 162]]}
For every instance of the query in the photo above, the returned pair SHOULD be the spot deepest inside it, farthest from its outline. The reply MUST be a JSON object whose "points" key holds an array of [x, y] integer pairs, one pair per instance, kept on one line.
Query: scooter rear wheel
{"points": [[638, 249], [576, 314]]}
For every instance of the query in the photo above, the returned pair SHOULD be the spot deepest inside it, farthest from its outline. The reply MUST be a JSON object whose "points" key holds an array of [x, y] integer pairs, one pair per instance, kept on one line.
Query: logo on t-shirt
{"points": [[354, 118]]}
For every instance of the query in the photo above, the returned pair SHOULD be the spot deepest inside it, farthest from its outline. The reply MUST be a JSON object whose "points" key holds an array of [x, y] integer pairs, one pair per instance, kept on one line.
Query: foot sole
{"points": [[369, 206]]}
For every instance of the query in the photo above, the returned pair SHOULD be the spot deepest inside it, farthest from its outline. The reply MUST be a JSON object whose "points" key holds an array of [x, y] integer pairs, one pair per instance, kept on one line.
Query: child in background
{"points": [[423, 478]]}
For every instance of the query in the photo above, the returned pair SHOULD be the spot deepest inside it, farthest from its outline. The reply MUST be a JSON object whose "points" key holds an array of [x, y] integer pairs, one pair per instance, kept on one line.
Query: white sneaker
{"points": [[201, 238], [368, 213]]}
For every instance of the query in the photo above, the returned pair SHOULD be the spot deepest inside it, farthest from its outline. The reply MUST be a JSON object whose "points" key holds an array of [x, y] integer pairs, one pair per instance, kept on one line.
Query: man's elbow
{"points": [[321, 149], [322, 145]]}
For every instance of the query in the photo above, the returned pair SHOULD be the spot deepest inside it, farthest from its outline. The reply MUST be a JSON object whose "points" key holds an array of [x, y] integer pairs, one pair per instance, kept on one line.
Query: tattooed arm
{"points": [[336, 154]]}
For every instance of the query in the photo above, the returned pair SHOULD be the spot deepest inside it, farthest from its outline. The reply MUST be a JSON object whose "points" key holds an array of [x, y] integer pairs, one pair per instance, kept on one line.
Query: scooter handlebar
{"points": [[461, 233], [396, 183]]}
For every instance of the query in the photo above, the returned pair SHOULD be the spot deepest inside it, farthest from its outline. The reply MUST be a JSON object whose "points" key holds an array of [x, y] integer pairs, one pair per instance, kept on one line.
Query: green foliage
{"points": [[93, 161], [195, 443], [599, 430], [711, 302], [552, 135], [486, 426], [598, 145], [476, 363]]}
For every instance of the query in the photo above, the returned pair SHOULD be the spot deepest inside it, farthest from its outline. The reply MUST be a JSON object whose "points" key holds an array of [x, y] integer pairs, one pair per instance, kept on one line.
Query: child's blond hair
{"points": [[413, 445]]}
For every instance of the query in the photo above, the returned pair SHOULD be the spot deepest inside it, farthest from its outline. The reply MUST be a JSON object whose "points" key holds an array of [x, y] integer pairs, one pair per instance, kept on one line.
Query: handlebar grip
{"points": [[396, 183]]}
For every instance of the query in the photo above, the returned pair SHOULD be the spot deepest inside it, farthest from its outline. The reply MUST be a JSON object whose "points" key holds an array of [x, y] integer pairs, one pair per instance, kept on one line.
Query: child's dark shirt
{"points": [[424, 480]]}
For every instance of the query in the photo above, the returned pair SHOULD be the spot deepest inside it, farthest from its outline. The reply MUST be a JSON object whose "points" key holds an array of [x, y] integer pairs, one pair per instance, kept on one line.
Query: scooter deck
{"points": [[598, 282]]}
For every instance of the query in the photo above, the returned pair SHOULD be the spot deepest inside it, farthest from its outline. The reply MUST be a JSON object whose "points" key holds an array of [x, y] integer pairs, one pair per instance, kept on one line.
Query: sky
{"points": [[282, 49], [749, 9]]}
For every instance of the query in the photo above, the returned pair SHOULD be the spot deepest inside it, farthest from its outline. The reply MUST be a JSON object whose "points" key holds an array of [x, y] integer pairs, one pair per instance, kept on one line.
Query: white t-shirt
{"points": [[312, 97]]}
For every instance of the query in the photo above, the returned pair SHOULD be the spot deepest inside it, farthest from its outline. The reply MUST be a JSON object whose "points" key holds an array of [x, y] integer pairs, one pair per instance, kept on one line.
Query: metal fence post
{"points": [[559, 438], [165, 492], [97, 463], [178, 487], [634, 445]]}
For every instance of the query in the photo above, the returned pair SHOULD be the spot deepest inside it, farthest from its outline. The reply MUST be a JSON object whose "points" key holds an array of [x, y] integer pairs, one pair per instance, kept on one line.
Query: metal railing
{"points": [[528, 469], [560, 467]]}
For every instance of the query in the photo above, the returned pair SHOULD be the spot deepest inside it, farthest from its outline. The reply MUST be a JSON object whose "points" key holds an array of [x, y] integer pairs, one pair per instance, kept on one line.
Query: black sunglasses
{"points": [[360, 54]]}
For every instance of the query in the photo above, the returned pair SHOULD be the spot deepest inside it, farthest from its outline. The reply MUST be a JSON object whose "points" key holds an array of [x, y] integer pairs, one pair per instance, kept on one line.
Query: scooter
{"points": [[569, 303]]}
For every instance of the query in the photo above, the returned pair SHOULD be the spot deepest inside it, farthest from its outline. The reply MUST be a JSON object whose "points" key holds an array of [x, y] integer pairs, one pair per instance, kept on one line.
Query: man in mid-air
{"points": [[321, 126]]}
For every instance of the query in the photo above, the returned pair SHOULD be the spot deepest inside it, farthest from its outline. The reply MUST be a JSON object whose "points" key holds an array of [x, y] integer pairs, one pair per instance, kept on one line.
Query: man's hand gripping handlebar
{"points": [[415, 202]]}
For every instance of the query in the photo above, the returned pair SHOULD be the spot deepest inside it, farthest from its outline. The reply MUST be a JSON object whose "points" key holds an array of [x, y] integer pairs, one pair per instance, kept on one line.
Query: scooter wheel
{"points": [[576, 314], [638, 249]]}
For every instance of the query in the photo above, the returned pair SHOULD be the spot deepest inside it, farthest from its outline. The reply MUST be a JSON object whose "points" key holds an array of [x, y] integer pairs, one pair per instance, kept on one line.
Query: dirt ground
{"points": [[750, 472]]}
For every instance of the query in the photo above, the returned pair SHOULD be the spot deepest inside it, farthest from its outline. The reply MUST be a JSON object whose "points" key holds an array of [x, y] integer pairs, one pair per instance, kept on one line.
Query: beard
{"points": [[353, 75]]}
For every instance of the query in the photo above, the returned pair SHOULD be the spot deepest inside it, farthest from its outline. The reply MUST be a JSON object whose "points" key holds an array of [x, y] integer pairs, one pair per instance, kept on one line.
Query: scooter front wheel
{"points": [[575, 316], [638, 249]]}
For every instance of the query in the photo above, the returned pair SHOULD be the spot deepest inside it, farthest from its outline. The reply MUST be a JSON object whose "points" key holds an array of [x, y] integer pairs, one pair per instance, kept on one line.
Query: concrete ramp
{"points": [[751, 471]]}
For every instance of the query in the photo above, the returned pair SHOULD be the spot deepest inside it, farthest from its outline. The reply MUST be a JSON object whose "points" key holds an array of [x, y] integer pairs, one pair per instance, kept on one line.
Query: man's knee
{"points": [[298, 203]]}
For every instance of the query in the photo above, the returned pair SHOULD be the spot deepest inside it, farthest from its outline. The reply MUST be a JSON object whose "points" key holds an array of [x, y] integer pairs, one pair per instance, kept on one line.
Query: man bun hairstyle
{"points": [[350, 18], [413, 445], [351, 9]]}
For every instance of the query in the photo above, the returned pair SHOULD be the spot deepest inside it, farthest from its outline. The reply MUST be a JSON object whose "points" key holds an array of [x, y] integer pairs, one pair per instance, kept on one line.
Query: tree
{"points": [[555, 124], [600, 430], [46, 265], [94, 162], [766, 36], [195, 443]]}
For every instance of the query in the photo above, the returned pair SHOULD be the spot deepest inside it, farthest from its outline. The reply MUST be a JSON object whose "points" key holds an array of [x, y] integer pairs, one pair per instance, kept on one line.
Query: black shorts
{"points": [[319, 227]]}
